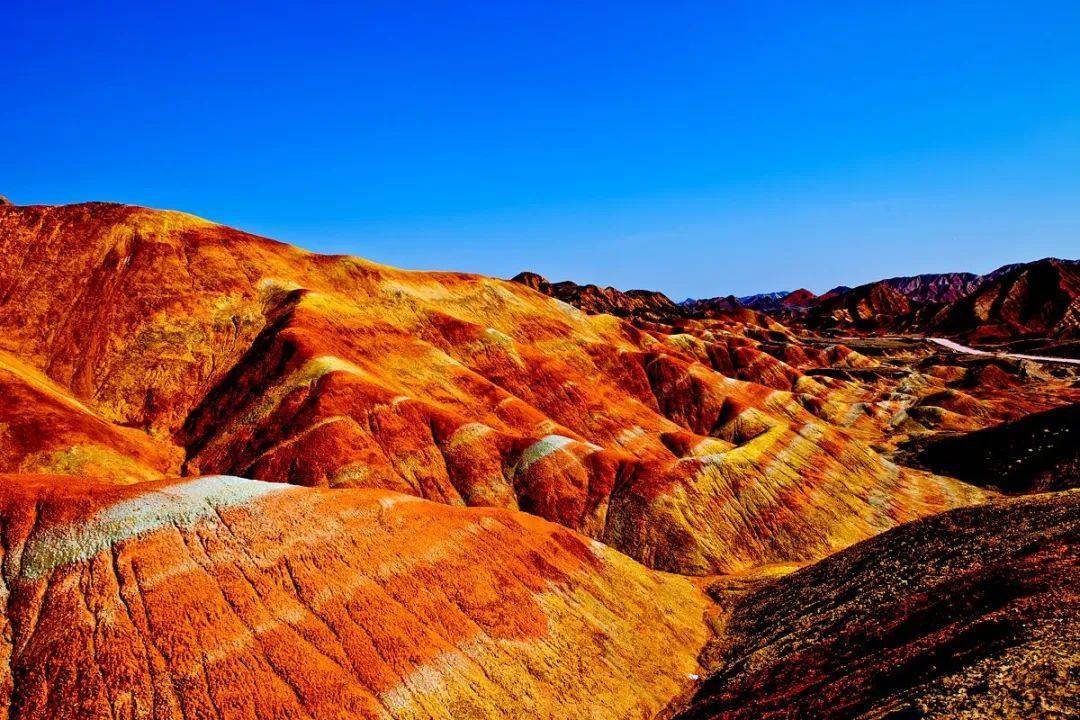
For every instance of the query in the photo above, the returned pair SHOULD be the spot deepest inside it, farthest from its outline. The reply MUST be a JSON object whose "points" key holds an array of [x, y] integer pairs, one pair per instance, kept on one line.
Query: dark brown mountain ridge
{"points": [[969, 614]]}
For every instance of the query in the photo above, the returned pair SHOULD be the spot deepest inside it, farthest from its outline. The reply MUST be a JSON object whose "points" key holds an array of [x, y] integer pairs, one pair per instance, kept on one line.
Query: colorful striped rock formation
{"points": [[229, 598], [243, 480], [265, 361]]}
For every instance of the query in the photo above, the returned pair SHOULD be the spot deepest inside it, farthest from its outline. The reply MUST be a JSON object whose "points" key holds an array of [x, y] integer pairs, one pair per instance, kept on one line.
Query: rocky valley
{"points": [[245, 480]]}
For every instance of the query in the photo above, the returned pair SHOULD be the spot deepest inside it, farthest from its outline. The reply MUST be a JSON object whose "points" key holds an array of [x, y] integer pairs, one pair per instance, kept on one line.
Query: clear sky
{"points": [[696, 148]]}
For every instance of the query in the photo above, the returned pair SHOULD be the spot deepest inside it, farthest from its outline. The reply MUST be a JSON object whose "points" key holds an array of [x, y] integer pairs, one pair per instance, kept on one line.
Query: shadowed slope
{"points": [[592, 299], [969, 614], [1040, 298], [1037, 453], [935, 287], [868, 307], [229, 598]]}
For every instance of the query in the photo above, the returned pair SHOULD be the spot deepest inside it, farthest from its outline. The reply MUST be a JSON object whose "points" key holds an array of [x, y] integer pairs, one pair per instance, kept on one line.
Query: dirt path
{"points": [[957, 347]]}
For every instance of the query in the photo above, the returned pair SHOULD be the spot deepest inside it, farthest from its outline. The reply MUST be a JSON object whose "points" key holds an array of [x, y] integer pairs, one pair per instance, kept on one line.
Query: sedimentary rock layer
{"points": [[229, 598], [694, 449]]}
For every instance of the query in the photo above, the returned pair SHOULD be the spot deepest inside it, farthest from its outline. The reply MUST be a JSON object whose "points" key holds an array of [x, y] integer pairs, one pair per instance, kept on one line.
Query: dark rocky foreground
{"points": [[1036, 453], [969, 614]]}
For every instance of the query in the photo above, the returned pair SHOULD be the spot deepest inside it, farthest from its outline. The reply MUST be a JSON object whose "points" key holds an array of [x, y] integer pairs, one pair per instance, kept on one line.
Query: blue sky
{"points": [[695, 148]]}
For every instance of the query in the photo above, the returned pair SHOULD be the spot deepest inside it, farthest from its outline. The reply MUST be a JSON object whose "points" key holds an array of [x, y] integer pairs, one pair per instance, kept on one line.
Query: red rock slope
{"points": [[45, 429], [227, 598]]}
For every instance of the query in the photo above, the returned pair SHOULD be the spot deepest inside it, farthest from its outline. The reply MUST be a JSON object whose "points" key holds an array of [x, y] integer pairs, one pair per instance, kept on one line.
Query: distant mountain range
{"points": [[593, 299], [936, 287], [771, 299], [1039, 299], [1024, 300]]}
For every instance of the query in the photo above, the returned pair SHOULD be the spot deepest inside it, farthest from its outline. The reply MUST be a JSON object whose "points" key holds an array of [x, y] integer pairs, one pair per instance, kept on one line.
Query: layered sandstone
{"points": [[265, 361], [246, 480], [230, 598]]}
